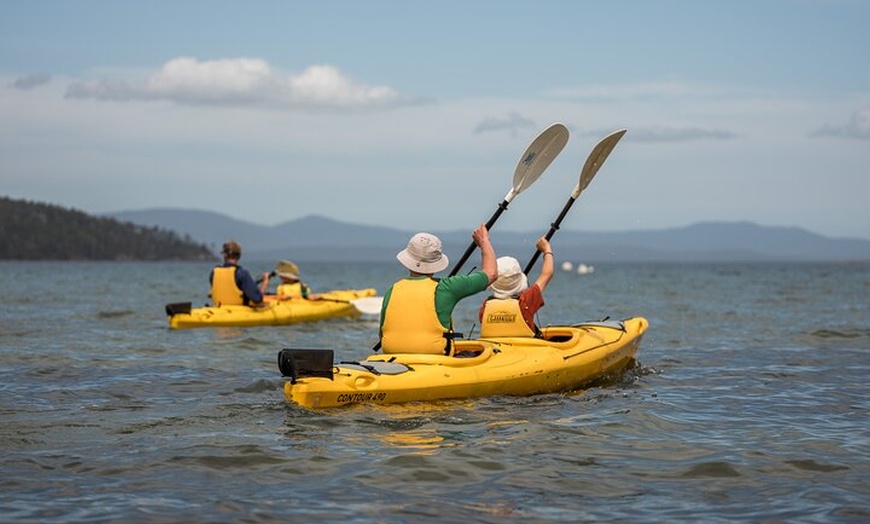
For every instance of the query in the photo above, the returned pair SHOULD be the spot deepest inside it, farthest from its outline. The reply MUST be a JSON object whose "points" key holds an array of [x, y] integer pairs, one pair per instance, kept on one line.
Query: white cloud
{"points": [[857, 127], [244, 82], [514, 122]]}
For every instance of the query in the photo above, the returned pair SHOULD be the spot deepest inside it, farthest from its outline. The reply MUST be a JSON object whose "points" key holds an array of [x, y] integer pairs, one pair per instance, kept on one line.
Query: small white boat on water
{"points": [[582, 269]]}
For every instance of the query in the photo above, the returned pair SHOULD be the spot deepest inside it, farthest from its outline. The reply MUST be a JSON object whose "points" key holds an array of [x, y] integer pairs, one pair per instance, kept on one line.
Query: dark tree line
{"points": [[36, 231]]}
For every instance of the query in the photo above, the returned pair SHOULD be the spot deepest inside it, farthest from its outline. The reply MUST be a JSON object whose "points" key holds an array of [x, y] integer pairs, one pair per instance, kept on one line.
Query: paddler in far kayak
{"points": [[291, 286], [510, 311], [416, 316], [231, 284]]}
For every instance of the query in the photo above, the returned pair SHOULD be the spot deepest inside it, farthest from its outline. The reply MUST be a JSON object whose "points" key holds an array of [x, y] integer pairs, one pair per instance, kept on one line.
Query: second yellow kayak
{"points": [[332, 304]]}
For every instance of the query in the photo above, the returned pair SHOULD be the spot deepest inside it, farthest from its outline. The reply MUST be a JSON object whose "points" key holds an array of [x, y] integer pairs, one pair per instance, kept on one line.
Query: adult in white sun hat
{"points": [[510, 311], [416, 316]]}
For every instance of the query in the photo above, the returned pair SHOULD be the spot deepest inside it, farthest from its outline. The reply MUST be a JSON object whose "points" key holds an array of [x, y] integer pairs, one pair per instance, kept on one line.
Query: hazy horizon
{"points": [[542, 227]]}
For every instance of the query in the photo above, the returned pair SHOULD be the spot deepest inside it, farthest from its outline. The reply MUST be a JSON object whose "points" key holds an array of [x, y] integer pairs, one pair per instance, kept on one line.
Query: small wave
{"points": [[15, 332], [233, 458], [115, 314], [812, 465], [260, 386], [841, 333], [717, 469]]}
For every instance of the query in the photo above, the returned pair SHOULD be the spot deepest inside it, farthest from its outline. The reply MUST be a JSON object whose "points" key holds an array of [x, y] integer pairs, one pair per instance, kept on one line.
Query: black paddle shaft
{"points": [[553, 227], [271, 274], [501, 209]]}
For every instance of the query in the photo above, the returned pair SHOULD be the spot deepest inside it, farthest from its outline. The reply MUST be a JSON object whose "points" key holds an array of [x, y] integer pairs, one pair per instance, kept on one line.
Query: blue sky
{"points": [[414, 114]]}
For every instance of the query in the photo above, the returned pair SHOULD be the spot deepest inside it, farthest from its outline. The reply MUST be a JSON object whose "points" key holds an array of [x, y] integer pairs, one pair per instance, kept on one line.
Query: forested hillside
{"points": [[36, 231]]}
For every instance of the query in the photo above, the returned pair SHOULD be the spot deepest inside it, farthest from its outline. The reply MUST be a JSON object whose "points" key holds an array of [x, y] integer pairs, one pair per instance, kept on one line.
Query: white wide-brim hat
{"points": [[423, 254], [511, 279]]}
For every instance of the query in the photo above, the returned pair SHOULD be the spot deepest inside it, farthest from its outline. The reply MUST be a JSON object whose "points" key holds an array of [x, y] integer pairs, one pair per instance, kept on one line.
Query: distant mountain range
{"points": [[317, 238]]}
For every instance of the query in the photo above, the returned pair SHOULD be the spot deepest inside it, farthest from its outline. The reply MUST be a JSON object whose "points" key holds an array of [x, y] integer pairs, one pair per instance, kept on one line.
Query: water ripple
{"points": [[748, 402]]}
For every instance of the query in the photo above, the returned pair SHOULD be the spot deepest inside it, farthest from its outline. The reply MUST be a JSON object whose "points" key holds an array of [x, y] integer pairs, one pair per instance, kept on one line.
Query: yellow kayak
{"points": [[333, 304], [565, 359]]}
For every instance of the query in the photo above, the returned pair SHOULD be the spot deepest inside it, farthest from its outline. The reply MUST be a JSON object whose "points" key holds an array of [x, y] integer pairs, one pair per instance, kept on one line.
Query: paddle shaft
{"points": [[593, 163], [260, 280], [470, 250], [553, 228]]}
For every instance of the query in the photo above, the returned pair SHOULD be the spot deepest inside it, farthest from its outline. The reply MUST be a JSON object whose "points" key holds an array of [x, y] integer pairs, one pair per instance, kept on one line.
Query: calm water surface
{"points": [[749, 402]]}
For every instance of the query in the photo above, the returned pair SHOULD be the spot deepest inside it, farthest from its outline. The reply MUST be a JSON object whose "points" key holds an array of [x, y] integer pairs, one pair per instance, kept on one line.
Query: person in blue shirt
{"points": [[231, 284]]}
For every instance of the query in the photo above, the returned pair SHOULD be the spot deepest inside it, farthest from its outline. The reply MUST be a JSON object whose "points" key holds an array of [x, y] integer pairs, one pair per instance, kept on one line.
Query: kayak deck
{"points": [[567, 358]]}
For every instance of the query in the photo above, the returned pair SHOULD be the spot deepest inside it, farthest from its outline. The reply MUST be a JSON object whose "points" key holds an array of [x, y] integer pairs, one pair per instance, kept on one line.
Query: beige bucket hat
{"points": [[511, 279], [287, 269], [423, 254]]}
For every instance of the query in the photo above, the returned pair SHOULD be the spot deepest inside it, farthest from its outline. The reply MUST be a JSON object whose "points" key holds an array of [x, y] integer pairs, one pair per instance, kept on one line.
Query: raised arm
{"points": [[548, 265], [487, 252]]}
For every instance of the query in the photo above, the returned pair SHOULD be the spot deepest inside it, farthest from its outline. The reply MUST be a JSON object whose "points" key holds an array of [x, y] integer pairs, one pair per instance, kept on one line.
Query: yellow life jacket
{"points": [[224, 291], [503, 318], [292, 290], [411, 323]]}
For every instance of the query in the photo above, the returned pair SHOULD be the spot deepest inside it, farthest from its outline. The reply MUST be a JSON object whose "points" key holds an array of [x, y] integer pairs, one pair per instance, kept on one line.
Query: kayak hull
{"points": [[334, 304], [566, 359]]}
